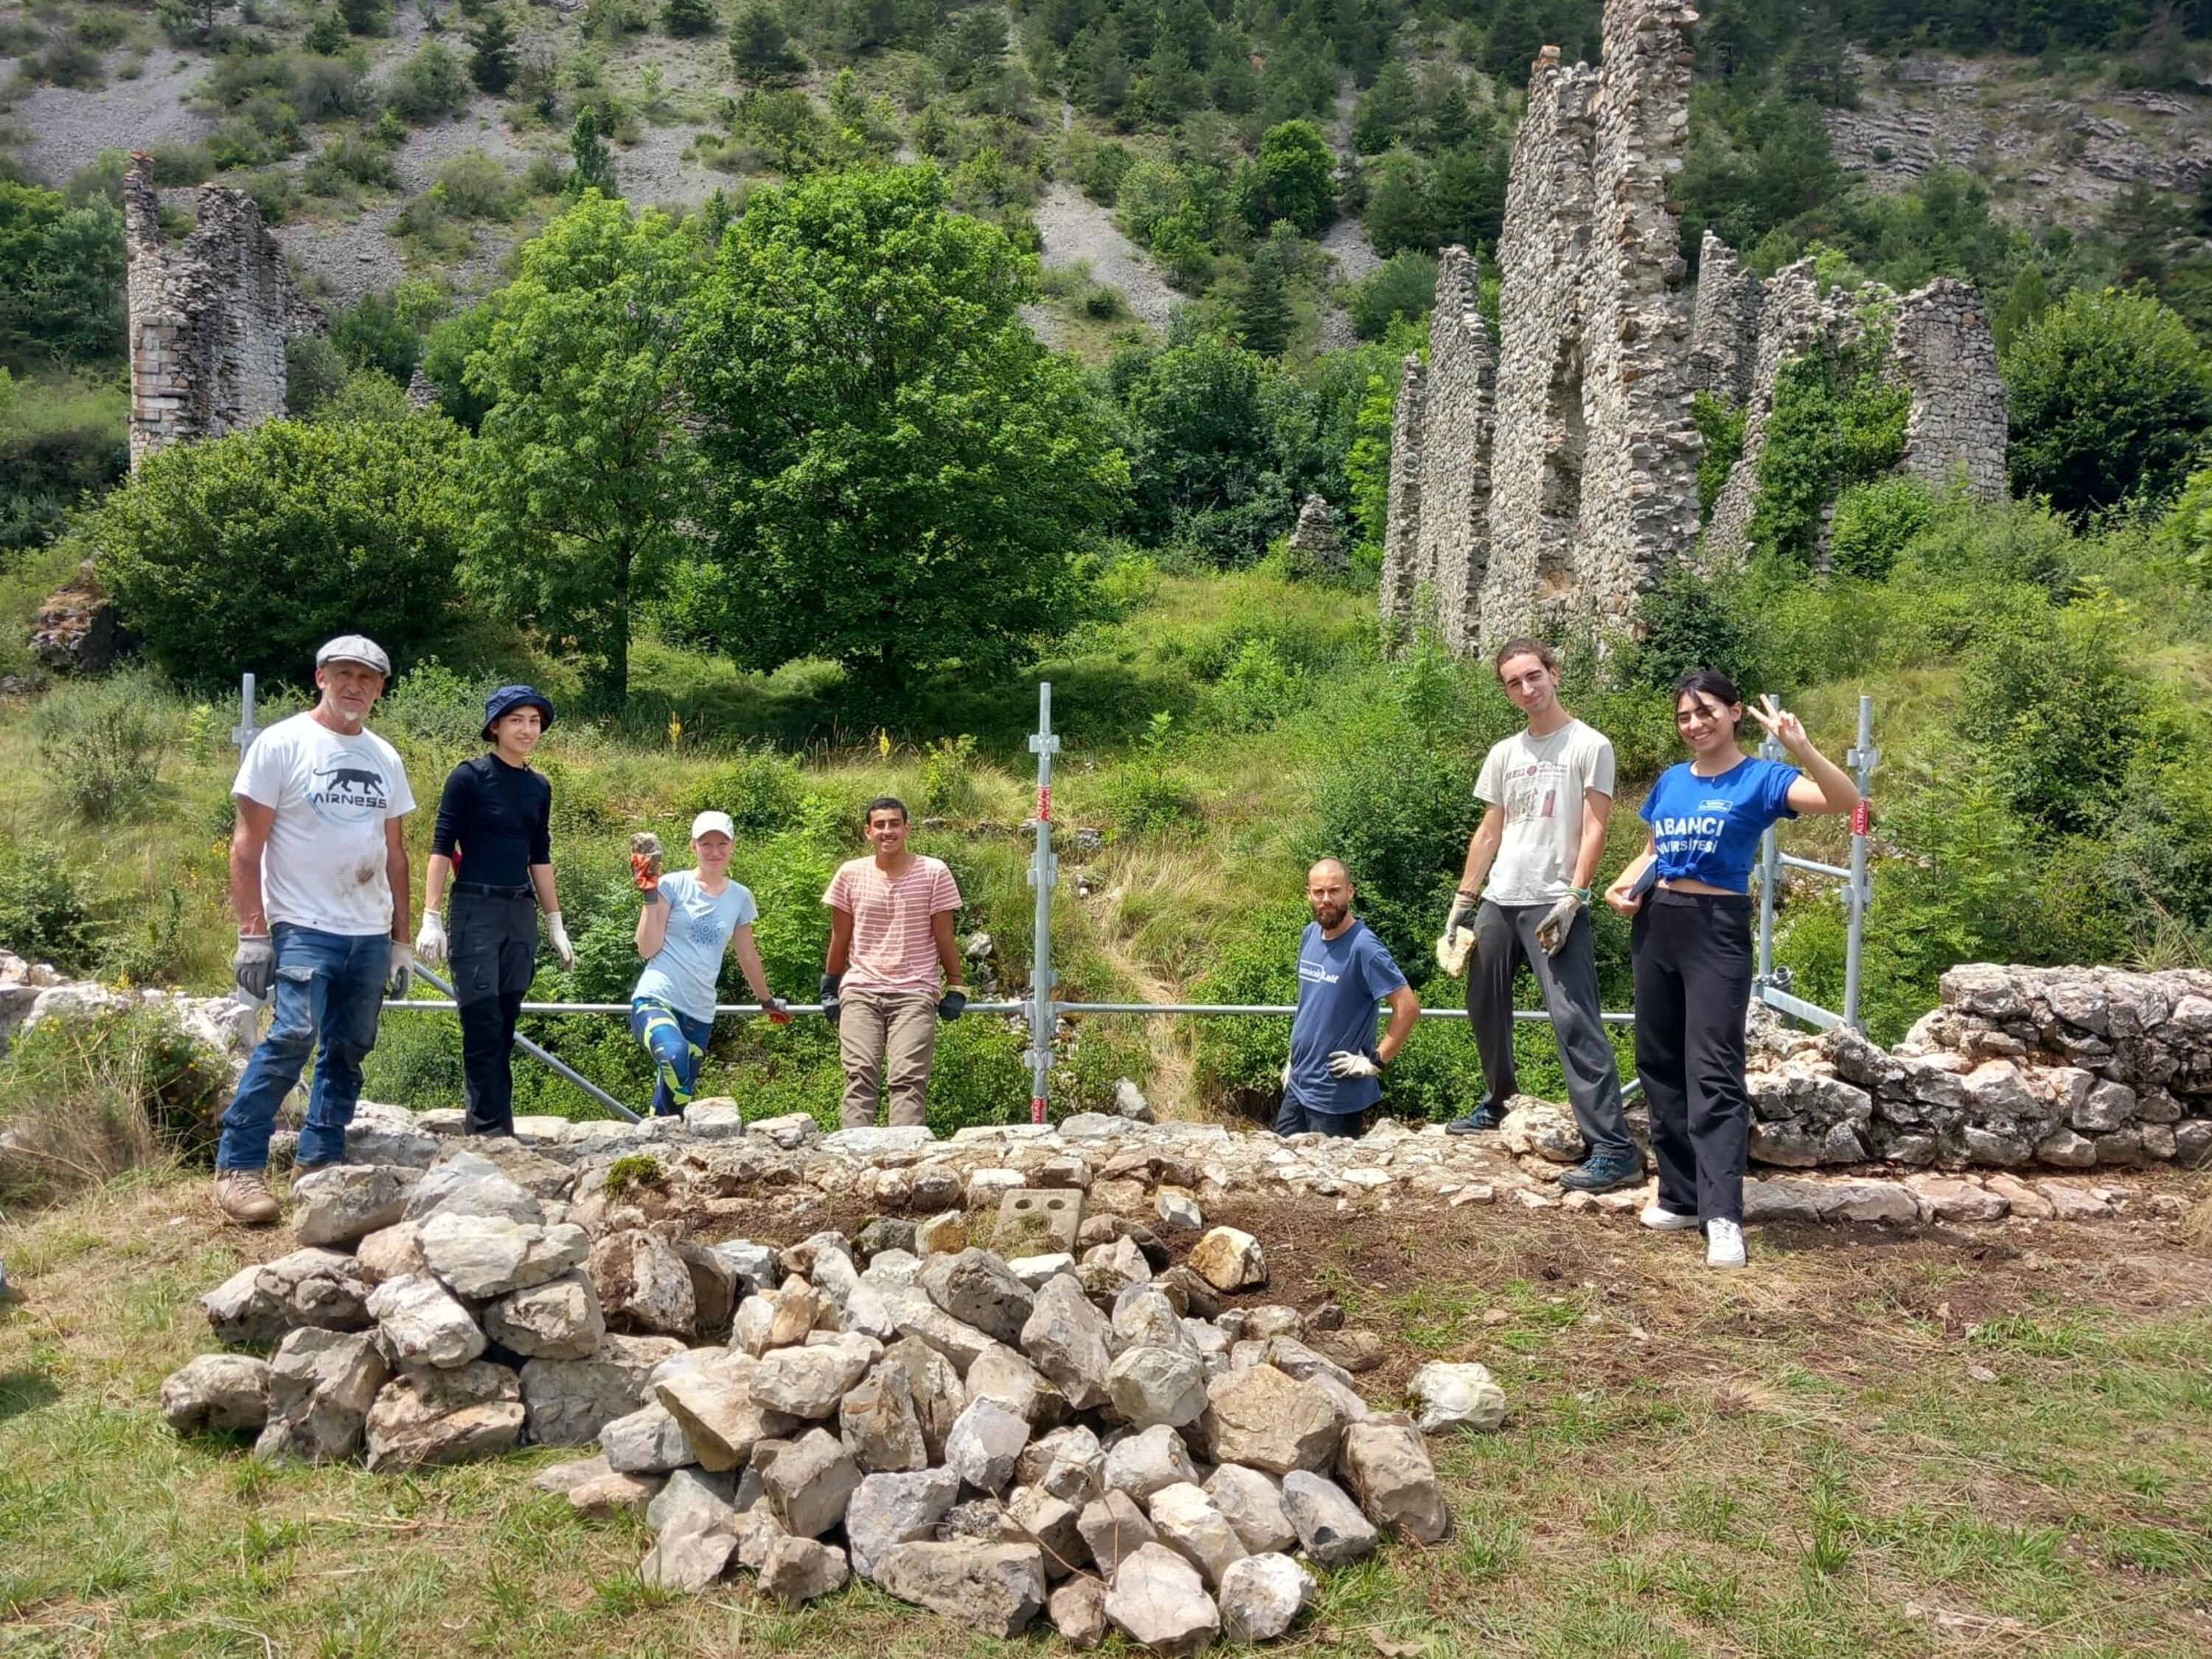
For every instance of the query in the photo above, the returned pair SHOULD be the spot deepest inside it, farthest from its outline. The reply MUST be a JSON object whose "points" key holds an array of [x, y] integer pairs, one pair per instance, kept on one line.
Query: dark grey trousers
{"points": [[1505, 938]]}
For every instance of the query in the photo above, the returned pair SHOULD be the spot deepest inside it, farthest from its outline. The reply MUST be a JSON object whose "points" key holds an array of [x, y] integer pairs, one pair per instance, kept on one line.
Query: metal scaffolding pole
{"points": [[1044, 874]]}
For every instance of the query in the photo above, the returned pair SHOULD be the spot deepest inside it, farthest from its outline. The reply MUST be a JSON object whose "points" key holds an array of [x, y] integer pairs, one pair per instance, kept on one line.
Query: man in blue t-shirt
{"points": [[1343, 970]]}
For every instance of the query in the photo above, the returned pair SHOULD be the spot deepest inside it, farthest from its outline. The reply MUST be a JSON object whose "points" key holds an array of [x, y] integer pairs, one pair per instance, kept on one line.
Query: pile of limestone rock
{"points": [[1114, 1437]]}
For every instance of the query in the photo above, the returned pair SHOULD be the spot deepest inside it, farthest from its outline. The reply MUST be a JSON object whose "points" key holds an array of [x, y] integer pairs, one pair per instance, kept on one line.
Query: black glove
{"points": [[830, 1008], [951, 1003]]}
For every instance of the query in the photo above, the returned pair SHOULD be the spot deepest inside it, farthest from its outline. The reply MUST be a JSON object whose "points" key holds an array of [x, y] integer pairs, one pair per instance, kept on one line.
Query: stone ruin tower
{"points": [[209, 317], [1546, 476], [1544, 479], [1939, 349]]}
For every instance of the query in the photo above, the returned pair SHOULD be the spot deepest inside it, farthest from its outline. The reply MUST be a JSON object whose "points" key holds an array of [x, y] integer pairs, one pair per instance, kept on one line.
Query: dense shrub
{"points": [[61, 274], [102, 743], [1403, 287], [1873, 524], [432, 84], [762, 792], [251, 549], [42, 905], [1833, 425], [1722, 427]]}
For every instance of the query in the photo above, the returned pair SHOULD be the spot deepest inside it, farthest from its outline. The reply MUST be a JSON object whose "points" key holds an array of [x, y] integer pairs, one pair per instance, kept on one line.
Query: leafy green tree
{"points": [[431, 85], [584, 469], [900, 474], [371, 334], [363, 16], [687, 18], [760, 46], [1403, 288], [1398, 216], [61, 275], [249, 551], [1204, 470], [1296, 180], [492, 52], [594, 167], [1386, 111], [2108, 396]]}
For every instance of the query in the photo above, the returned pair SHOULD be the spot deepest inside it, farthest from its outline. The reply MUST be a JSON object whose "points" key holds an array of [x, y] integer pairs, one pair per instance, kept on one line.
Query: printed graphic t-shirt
{"points": [[1339, 981], [324, 864], [682, 972], [1538, 782], [893, 949], [1708, 829]]}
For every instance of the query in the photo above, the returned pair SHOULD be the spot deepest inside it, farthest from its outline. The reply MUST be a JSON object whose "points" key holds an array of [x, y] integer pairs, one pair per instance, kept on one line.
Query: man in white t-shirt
{"points": [[319, 879], [1546, 792], [891, 933]]}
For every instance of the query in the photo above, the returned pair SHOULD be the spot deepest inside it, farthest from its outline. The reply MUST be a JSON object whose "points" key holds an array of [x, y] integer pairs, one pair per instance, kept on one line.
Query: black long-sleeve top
{"points": [[495, 820]]}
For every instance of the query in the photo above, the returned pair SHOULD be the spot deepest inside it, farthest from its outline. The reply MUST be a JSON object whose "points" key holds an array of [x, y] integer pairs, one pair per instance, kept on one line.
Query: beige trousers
{"points": [[887, 1040]]}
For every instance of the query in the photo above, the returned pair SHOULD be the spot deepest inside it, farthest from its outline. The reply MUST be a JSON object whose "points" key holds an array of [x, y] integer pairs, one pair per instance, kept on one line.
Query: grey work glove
{"points": [[399, 969], [1559, 921], [253, 964], [831, 1006], [1464, 906], [1348, 1062]]}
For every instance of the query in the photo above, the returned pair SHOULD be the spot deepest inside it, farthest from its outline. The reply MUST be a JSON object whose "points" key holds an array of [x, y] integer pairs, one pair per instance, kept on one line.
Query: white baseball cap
{"points": [[356, 647], [712, 823]]}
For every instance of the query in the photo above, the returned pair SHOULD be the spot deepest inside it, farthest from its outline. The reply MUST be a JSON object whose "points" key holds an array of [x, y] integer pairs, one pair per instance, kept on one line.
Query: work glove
{"points": [[1348, 1062], [1286, 1077], [431, 942], [778, 1011], [1456, 943], [1464, 906], [951, 1003], [645, 861], [253, 964], [830, 1008], [1559, 921], [554, 932], [400, 969]]}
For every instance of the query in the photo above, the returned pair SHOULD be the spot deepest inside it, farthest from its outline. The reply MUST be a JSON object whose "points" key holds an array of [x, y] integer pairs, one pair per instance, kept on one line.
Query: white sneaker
{"points": [[1665, 1220], [1724, 1245]]}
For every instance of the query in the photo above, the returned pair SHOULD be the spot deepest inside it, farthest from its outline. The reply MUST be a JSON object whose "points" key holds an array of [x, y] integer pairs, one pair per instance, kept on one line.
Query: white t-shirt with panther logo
{"points": [[324, 865]]}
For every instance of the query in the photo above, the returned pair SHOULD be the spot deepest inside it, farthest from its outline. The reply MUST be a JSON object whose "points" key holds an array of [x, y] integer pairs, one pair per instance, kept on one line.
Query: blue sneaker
{"points": [[1478, 1121], [1604, 1172]]}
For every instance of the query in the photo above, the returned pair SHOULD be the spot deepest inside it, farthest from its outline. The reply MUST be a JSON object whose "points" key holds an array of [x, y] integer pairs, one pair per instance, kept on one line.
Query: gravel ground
{"points": [[63, 130], [1076, 230]]}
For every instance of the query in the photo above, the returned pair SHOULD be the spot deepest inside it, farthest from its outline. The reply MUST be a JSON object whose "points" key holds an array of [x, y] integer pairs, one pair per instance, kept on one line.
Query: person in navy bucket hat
{"points": [[508, 698], [492, 851]]}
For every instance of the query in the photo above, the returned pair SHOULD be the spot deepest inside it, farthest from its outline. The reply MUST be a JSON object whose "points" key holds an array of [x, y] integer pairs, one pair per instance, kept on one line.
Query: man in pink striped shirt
{"points": [[890, 930]]}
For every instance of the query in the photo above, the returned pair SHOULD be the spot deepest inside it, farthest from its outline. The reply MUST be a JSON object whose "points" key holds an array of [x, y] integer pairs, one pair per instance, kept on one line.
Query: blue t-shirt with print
{"points": [[1339, 981], [682, 973], [1708, 829]]}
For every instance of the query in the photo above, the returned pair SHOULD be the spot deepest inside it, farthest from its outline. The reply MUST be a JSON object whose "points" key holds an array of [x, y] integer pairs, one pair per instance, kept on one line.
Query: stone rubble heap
{"points": [[1107, 1440]]}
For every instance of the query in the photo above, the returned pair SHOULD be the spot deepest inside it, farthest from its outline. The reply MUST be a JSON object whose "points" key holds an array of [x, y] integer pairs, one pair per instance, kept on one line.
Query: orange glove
{"points": [[645, 861]]}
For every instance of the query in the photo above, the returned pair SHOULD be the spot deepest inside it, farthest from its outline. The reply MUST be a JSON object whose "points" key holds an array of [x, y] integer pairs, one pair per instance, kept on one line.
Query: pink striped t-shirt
{"points": [[892, 949]]}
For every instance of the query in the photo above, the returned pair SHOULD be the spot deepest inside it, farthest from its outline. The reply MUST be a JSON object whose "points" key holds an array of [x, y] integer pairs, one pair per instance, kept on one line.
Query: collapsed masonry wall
{"points": [[1724, 333], [208, 317], [1452, 550], [1944, 350]]}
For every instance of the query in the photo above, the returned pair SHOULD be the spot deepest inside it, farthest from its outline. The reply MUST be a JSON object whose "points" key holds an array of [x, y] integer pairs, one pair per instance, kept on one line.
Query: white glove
{"points": [[1559, 921], [556, 935], [1287, 1074], [1347, 1062], [431, 942], [400, 969]]}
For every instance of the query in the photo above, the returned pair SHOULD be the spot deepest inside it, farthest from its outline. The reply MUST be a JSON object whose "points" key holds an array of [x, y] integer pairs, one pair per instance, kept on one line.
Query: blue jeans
{"points": [[1293, 1117], [677, 1043], [330, 985]]}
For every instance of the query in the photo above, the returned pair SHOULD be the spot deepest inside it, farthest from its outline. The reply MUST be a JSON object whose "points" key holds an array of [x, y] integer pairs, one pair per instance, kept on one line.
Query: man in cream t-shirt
{"points": [[318, 878], [1546, 792]]}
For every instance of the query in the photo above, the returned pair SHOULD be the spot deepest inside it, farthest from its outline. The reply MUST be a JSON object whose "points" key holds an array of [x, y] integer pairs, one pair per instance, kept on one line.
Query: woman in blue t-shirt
{"points": [[1692, 944], [690, 917]]}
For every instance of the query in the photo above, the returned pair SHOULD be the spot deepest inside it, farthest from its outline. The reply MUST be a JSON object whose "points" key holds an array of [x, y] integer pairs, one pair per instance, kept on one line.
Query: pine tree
{"points": [[595, 162], [1263, 305], [760, 47], [491, 52], [689, 17]]}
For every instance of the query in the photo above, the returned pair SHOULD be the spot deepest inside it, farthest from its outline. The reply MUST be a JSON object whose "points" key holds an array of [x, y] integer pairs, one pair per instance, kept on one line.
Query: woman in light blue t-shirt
{"points": [[1688, 891], [690, 917]]}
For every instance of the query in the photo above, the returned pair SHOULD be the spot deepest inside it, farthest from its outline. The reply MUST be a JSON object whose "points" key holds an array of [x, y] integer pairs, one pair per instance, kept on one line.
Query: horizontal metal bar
{"points": [[1811, 1012], [447, 1006], [1816, 866], [1284, 1010]]}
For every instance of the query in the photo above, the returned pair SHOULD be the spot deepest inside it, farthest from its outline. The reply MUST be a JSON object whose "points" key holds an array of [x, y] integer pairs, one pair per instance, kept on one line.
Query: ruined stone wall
{"points": [[1945, 353], [1401, 531], [209, 317], [1639, 495], [1724, 333], [1453, 552]]}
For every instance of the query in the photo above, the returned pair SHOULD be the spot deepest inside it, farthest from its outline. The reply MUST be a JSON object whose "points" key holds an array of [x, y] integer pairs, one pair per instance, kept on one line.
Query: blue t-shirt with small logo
{"points": [[1339, 981], [682, 972], [1708, 829]]}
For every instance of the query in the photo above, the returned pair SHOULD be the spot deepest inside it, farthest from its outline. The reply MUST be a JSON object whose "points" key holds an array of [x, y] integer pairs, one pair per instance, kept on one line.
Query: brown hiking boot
{"points": [[244, 1196]]}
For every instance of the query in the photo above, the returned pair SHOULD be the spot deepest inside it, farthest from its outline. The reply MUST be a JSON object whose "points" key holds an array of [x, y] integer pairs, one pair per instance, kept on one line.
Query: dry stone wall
{"points": [[209, 317], [1544, 482]]}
